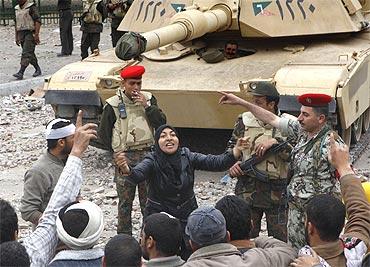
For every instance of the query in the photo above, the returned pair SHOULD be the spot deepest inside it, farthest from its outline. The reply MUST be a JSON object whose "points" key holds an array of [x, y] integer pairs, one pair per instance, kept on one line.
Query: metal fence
{"points": [[48, 11]]}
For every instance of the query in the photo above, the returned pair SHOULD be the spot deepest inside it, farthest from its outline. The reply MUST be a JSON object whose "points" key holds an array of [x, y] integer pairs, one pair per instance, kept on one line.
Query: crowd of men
{"points": [[296, 171]]}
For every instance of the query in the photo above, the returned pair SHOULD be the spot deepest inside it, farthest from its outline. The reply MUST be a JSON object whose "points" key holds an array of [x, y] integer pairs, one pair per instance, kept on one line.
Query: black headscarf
{"points": [[170, 164]]}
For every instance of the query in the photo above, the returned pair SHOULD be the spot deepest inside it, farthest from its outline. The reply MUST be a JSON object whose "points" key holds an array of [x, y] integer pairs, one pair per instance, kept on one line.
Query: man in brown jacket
{"points": [[209, 241], [325, 216]]}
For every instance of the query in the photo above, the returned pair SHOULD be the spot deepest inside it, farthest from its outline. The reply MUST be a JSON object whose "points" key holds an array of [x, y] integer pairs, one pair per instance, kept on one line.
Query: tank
{"points": [[301, 46]]}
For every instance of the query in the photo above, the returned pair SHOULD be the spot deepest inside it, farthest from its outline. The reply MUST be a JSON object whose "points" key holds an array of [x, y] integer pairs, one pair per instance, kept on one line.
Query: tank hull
{"points": [[186, 88]]}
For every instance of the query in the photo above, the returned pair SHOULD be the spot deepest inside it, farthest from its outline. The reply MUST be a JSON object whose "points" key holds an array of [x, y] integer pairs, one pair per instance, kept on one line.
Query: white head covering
{"points": [[60, 132], [91, 234]]}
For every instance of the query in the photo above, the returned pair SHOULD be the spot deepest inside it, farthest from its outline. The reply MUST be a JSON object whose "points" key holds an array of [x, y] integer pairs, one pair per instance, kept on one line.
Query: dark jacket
{"points": [[268, 252], [78, 258], [176, 197]]}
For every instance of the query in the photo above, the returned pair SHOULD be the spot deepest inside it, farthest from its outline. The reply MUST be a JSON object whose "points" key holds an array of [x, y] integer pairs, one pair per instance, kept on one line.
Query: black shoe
{"points": [[37, 72], [63, 55], [18, 75]]}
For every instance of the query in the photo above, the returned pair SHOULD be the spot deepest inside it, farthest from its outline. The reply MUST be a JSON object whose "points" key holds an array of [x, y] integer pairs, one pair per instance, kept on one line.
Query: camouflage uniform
{"points": [[311, 174], [125, 189], [126, 193], [263, 197]]}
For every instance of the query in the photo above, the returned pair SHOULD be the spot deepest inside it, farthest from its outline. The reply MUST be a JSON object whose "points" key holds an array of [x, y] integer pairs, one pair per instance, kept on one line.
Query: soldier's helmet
{"points": [[262, 88]]}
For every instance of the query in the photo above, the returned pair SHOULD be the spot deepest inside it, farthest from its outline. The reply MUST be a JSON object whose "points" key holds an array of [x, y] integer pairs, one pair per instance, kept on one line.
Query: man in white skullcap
{"points": [[40, 180], [79, 227]]}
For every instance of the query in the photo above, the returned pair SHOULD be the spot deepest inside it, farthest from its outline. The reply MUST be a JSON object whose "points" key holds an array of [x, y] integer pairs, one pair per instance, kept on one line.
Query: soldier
{"points": [[231, 50], [95, 12], [311, 172], [127, 124], [27, 29], [117, 10], [65, 27], [263, 195]]}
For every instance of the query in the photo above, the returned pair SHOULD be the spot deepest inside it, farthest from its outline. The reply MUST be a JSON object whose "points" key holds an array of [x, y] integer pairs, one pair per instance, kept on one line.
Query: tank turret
{"points": [[184, 26], [204, 17]]}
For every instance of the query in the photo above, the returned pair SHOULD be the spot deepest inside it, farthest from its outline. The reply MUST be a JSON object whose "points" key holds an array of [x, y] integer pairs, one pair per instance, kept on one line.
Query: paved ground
{"points": [[46, 52]]}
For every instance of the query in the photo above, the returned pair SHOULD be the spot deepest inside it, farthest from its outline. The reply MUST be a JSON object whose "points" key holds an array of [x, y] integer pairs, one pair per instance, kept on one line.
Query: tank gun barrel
{"points": [[185, 26]]}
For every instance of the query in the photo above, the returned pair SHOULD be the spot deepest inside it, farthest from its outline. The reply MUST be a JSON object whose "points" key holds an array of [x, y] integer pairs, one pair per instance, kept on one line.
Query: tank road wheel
{"points": [[366, 120], [356, 130], [346, 135]]}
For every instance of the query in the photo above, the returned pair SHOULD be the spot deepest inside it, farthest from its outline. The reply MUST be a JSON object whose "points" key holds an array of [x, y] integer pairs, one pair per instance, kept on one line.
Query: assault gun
{"points": [[249, 166]]}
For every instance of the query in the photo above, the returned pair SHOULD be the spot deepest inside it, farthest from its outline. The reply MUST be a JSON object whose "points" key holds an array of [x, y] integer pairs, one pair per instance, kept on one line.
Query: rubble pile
{"points": [[22, 121]]}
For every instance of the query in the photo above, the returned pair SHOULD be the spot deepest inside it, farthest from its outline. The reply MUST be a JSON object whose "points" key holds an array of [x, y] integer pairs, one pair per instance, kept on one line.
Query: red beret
{"points": [[314, 100], [132, 72]]}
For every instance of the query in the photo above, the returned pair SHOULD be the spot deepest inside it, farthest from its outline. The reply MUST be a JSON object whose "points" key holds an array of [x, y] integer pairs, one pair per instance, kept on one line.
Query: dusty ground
{"points": [[46, 52]]}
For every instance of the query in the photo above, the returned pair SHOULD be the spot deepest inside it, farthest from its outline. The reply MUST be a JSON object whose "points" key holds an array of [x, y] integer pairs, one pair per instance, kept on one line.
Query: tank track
{"points": [[357, 150]]}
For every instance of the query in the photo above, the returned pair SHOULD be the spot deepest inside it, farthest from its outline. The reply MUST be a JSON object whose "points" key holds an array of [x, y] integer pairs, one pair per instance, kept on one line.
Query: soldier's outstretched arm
{"points": [[258, 112]]}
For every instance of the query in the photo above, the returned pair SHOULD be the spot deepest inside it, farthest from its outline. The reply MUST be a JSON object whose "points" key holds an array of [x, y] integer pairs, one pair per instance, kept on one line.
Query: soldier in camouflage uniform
{"points": [[311, 172], [127, 125], [27, 30], [263, 196]]}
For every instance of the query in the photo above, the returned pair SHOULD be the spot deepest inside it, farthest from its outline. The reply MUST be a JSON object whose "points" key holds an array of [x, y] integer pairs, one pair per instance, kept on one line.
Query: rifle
{"points": [[249, 165]]}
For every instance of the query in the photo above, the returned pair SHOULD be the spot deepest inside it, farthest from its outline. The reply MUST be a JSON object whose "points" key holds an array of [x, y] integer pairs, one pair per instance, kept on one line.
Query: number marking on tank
{"points": [[291, 6], [77, 76]]}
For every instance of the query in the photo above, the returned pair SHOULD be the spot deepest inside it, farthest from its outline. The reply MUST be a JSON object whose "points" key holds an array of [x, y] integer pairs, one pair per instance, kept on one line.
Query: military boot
{"points": [[19, 74], [37, 71]]}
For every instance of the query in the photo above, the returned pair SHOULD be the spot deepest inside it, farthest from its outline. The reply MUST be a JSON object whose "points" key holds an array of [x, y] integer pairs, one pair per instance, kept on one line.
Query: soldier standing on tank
{"points": [[95, 12], [127, 124], [27, 30], [310, 169], [263, 196], [117, 10], [65, 27]]}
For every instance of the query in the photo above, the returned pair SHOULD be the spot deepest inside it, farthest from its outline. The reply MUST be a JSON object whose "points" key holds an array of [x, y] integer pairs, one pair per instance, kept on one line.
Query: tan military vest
{"points": [[133, 132], [23, 18], [119, 11], [274, 165], [92, 14]]}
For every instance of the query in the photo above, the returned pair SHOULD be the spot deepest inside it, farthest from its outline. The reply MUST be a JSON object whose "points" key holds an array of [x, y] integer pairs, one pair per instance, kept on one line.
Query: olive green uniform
{"points": [[107, 130], [267, 197], [65, 26], [26, 17], [311, 174]]}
